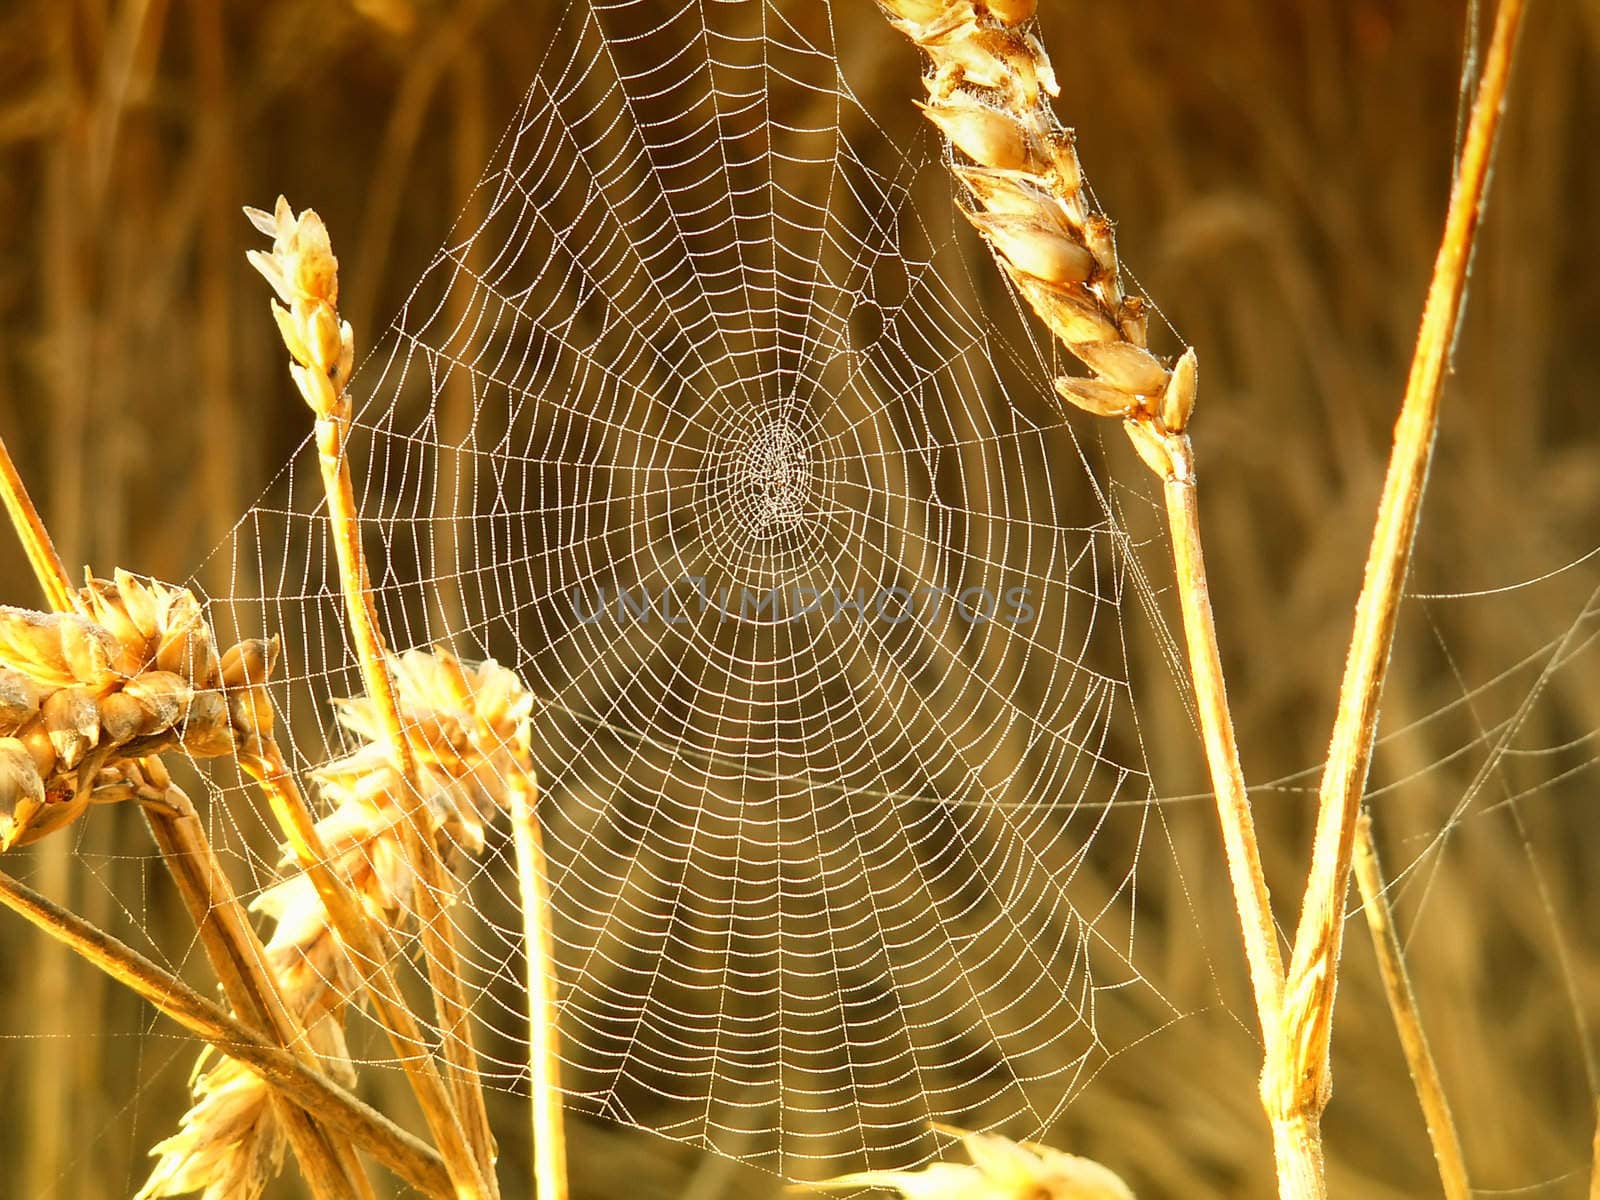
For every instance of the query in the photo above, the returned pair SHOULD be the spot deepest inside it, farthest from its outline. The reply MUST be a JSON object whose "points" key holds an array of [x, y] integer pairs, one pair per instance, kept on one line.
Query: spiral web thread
{"points": [[697, 424]]}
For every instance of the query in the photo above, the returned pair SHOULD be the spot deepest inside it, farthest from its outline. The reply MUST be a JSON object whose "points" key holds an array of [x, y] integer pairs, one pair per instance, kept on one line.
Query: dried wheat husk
{"points": [[989, 83], [134, 673], [470, 730], [1000, 1170]]}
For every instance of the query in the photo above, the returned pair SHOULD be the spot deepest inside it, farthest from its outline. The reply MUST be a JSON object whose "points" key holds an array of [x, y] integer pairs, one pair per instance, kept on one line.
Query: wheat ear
{"points": [[66, 654], [82, 712], [155, 623], [988, 92], [305, 275], [1297, 1082], [371, 950], [472, 727], [132, 673], [1000, 1170]]}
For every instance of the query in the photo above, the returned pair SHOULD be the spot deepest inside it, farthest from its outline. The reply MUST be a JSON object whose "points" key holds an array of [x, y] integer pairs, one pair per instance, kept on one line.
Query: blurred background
{"points": [[1278, 174]]}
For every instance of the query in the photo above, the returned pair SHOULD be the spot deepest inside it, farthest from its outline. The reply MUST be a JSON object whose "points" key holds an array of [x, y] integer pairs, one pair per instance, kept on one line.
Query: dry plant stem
{"points": [[371, 951], [49, 1103], [1297, 1147], [549, 1136], [1408, 1018], [331, 1168], [1222, 752], [35, 538], [1297, 1083], [437, 891], [1594, 1167], [314, 1092]]}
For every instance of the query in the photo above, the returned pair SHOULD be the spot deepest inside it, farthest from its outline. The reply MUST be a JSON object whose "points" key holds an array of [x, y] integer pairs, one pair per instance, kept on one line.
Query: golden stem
{"points": [[313, 1091], [1297, 1081], [331, 1169], [549, 1136], [1245, 873], [1594, 1166], [1408, 1017], [436, 894], [35, 538], [1297, 1145]]}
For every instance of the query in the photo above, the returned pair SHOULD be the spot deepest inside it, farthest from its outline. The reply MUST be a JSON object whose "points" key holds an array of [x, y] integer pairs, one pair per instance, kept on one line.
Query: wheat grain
{"points": [[988, 92]]}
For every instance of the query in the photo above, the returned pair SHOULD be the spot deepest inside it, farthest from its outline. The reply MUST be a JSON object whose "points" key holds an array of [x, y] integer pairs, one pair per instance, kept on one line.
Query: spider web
{"points": [[704, 403], [698, 423]]}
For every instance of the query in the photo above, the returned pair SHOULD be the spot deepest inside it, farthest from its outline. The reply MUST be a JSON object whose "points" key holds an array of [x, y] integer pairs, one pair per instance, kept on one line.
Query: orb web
{"points": [[705, 423]]}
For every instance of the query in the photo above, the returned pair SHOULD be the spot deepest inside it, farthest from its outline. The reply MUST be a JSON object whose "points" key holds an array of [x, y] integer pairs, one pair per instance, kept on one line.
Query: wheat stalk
{"points": [[1594, 1157], [1297, 1083], [327, 1160], [304, 274], [544, 1064], [1447, 1152], [307, 1087], [35, 538], [988, 92]]}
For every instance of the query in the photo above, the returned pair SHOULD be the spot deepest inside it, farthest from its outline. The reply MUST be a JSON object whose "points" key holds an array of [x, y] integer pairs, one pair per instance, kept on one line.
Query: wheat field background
{"points": [[1278, 174]]}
